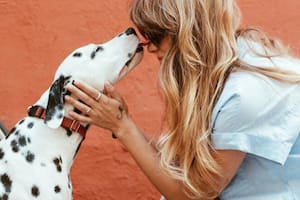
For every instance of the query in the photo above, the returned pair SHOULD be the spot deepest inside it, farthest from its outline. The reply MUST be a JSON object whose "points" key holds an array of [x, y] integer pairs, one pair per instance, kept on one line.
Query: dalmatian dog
{"points": [[37, 154]]}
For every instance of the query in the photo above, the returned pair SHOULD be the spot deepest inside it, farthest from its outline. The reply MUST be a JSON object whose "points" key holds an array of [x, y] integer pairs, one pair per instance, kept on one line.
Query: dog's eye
{"points": [[77, 54]]}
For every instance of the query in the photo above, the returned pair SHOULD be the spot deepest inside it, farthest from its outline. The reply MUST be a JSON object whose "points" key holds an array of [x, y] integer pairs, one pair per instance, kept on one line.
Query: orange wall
{"points": [[34, 38]]}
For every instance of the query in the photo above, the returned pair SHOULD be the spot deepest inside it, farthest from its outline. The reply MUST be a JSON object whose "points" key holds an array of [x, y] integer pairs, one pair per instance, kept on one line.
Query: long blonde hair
{"points": [[203, 53]]}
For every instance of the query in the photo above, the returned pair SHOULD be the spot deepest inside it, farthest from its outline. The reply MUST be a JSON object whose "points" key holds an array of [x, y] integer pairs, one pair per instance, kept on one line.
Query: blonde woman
{"points": [[232, 105]]}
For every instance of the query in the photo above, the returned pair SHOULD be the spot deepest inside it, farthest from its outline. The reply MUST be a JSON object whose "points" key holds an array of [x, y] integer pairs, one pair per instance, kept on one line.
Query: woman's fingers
{"points": [[106, 111], [110, 90], [89, 90], [80, 94], [81, 118], [79, 105], [86, 104]]}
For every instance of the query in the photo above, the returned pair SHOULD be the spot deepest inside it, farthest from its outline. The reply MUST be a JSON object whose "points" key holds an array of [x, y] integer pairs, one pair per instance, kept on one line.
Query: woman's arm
{"points": [[106, 114]]}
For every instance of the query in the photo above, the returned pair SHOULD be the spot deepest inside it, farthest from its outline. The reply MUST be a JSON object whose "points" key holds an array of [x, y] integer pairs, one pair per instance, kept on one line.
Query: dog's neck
{"points": [[72, 138]]}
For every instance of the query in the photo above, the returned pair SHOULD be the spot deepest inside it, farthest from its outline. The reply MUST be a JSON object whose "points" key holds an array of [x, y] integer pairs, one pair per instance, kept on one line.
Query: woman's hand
{"points": [[107, 111]]}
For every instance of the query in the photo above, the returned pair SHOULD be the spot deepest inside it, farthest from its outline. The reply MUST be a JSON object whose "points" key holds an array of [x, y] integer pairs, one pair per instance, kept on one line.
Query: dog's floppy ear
{"points": [[55, 107]]}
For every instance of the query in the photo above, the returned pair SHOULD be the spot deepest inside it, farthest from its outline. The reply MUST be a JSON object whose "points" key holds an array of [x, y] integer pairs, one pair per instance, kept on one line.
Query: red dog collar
{"points": [[67, 123]]}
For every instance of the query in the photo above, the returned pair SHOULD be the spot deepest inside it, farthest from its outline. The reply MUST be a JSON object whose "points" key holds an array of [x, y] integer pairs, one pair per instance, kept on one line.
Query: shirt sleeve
{"points": [[258, 116]]}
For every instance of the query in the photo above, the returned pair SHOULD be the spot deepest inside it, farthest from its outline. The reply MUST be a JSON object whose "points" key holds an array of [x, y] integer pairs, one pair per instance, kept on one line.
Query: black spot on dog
{"points": [[129, 55], [60, 107], [57, 189], [28, 140], [21, 122], [17, 132], [35, 191], [99, 48], [43, 164], [30, 125], [67, 82], [22, 141], [29, 157], [93, 54], [69, 133], [69, 182], [1, 153], [4, 197], [5, 180], [77, 54], [60, 116], [57, 162], [58, 168], [13, 143], [14, 146]]}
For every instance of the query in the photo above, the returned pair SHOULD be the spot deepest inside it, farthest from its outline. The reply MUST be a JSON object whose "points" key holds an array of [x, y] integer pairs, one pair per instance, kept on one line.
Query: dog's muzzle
{"points": [[133, 61]]}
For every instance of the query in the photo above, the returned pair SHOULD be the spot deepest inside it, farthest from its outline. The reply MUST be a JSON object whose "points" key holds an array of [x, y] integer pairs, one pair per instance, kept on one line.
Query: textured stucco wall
{"points": [[35, 35]]}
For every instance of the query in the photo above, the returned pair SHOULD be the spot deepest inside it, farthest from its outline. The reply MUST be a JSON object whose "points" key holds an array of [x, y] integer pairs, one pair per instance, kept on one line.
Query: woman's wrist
{"points": [[127, 128]]}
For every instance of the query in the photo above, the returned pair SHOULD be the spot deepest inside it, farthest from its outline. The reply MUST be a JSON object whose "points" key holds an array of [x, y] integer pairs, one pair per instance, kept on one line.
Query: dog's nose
{"points": [[130, 31], [140, 48]]}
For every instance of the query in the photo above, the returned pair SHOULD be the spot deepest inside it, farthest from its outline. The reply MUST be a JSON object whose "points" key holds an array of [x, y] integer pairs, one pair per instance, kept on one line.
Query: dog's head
{"points": [[94, 64]]}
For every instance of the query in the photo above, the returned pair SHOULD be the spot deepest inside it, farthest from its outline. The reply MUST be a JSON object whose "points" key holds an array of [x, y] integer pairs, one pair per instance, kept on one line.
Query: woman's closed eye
{"points": [[155, 38]]}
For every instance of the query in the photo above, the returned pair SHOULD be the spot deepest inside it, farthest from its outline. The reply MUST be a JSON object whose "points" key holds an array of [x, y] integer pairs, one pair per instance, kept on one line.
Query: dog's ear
{"points": [[55, 106]]}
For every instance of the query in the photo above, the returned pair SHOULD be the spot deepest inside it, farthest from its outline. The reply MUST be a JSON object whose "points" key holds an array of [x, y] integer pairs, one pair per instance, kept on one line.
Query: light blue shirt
{"points": [[260, 116]]}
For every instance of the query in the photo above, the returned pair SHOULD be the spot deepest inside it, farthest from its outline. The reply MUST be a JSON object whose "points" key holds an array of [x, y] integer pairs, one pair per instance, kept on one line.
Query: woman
{"points": [[232, 105]]}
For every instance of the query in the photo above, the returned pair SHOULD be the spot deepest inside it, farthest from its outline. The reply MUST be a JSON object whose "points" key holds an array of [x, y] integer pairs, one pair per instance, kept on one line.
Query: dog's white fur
{"points": [[36, 157]]}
